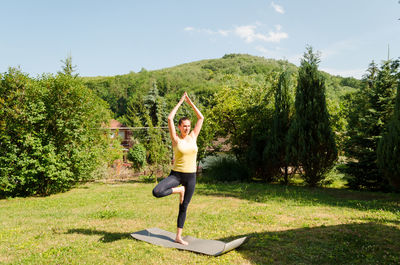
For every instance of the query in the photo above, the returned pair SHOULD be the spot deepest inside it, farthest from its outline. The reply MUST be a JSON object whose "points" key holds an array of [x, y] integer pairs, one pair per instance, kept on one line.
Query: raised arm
{"points": [[200, 117], [171, 125]]}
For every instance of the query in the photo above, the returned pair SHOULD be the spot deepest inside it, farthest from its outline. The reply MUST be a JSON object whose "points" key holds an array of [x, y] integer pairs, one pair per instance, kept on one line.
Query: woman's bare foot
{"points": [[182, 194], [181, 191], [181, 241], [178, 238]]}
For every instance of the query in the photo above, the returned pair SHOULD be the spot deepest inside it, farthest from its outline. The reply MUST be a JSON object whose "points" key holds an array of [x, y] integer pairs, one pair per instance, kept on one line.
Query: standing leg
{"points": [[189, 181]]}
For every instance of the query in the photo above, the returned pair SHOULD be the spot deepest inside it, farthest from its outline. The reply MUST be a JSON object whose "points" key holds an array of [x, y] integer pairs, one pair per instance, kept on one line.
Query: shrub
{"points": [[49, 131], [225, 168], [137, 155]]}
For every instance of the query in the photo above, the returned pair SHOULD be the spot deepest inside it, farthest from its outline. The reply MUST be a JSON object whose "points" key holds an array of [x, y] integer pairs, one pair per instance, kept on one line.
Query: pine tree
{"points": [[311, 143], [372, 109], [68, 68], [149, 111], [389, 147], [151, 104], [274, 154], [146, 111]]}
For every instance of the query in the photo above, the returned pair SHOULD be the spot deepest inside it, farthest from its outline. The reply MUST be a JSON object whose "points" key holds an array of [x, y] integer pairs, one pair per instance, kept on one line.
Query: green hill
{"points": [[202, 79]]}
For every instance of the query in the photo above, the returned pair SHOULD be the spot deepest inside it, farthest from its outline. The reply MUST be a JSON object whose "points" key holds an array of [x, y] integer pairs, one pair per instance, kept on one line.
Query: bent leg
{"points": [[164, 188]]}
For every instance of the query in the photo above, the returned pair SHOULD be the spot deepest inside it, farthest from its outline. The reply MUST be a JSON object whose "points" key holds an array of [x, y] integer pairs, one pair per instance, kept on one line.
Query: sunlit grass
{"points": [[287, 225]]}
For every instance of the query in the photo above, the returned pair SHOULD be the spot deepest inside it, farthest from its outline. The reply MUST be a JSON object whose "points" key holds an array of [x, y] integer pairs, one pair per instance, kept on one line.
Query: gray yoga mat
{"points": [[164, 238]]}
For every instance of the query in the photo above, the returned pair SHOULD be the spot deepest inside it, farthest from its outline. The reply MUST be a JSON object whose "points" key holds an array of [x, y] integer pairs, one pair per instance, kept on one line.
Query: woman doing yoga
{"points": [[184, 166]]}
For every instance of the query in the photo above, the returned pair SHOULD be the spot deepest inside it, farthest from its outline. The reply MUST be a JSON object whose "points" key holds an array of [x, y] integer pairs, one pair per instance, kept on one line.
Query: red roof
{"points": [[114, 124]]}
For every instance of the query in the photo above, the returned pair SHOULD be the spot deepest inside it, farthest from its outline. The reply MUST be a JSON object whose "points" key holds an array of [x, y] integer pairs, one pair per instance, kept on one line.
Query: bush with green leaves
{"points": [[50, 133], [137, 155], [225, 168], [242, 113]]}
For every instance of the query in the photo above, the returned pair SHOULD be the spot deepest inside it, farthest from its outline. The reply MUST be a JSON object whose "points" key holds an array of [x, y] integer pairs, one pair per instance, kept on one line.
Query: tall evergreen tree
{"points": [[274, 154], [68, 68], [149, 111], [151, 102], [372, 109], [389, 147], [311, 143], [146, 111]]}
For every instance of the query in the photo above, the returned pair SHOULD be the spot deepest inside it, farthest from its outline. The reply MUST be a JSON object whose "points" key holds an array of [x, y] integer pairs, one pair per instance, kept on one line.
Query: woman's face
{"points": [[184, 127]]}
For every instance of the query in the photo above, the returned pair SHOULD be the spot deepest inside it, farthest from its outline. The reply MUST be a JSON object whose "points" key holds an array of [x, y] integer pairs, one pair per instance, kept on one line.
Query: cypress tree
{"points": [[311, 143], [274, 154], [389, 147]]}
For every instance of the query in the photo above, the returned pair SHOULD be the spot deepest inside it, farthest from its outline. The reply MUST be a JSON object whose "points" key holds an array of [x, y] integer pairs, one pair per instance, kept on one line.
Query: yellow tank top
{"points": [[185, 153]]}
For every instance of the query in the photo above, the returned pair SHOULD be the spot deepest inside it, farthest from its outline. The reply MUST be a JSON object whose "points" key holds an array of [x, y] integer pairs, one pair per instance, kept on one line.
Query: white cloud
{"points": [[278, 8], [223, 32], [249, 34], [277, 36], [208, 31]]}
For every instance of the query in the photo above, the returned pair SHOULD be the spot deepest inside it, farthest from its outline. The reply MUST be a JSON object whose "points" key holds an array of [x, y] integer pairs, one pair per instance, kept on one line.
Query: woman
{"points": [[184, 166]]}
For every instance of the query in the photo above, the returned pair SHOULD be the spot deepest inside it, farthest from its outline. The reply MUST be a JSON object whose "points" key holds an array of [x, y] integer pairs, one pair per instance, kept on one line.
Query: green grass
{"points": [[287, 225]]}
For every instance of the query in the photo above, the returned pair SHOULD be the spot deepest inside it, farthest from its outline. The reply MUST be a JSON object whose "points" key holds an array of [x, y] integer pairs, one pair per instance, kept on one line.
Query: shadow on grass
{"points": [[107, 236], [367, 243], [258, 192], [355, 243]]}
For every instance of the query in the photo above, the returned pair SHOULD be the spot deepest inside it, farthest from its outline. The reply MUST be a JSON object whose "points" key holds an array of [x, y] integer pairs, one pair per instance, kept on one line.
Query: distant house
{"points": [[125, 134]]}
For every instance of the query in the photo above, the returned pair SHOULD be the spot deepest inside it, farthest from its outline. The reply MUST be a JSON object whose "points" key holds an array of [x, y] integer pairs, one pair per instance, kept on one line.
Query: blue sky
{"points": [[117, 37]]}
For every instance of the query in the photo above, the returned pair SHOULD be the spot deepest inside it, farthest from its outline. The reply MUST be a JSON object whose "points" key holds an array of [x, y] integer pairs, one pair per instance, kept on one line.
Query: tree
{"points": [[50, 137], [372, 109], [274, 154], [241, 114], [389, 147], [136, 112], [137, 155], [68, 68], [149, 112], [155, 106], [240, 109], [311, 143]]}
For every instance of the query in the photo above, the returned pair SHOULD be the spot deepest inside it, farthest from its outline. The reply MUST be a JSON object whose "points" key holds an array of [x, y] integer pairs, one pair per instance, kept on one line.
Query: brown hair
{"points": [[183, 119]]}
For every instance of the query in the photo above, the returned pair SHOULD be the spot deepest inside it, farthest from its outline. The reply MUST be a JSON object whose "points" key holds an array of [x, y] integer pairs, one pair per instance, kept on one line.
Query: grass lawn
{"points": [[287, 225]]}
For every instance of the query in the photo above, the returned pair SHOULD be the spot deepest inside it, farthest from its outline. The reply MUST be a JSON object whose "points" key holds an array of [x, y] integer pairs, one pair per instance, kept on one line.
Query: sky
{"points": [[107, 38]]}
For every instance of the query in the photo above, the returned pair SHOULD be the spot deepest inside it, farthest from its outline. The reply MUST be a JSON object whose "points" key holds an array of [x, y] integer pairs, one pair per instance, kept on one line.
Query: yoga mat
{"points": [[164, 238]]}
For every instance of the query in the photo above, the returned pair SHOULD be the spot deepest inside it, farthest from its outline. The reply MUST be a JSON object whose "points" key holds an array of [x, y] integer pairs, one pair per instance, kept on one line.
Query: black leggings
{"points": [[164, 188]]}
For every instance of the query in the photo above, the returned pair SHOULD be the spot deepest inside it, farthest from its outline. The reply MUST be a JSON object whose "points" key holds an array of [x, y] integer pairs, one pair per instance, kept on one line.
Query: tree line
{"points": [[275, 119]]}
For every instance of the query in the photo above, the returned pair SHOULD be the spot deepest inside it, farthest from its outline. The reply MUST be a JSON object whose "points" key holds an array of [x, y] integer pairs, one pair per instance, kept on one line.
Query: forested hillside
{"points": [[236, 92], [202, 79]]}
